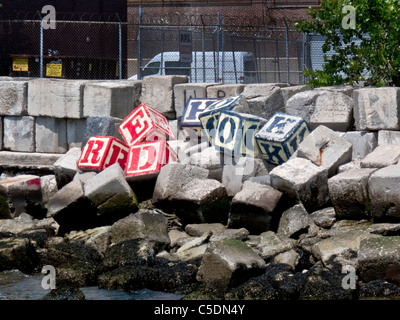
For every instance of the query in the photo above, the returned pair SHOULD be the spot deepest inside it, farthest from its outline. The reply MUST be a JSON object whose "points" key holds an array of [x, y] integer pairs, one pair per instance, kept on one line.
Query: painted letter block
{"points": [[190, 118], [146, 159], [235, 133], [145, 124], [101, 152], [279, 138], [209, 118]]}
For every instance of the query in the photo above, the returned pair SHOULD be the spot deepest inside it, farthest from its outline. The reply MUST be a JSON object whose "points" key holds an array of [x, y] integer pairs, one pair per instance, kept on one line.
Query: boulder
{"points": [[229, 263], [388, 137], [66, 167], [377, 109], [324, 218], [209, 159], [382, 156], [294, 222], [111, 194], [17, 253], [272, 244], [363, 143], [379, 259], [254, 207], [348, 192], [325, 148], [50, 135], [98, 238], [263, 99], [302, 180], [201, 201], [199, 229]]}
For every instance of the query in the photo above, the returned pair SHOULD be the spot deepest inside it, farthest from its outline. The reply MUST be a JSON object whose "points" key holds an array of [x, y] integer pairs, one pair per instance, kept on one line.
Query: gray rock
{"points": [[50, 135], [176, 236], [19, 133], [224, 90], [271, 244], [325, 148], [290, 258], [173, 177], [265, 103], [253, 207], [354, 164], [324, 218], [145, 224], [111, 194], [201, 201], [382, 156], [17, 253], [348, 192], [17, 225], [98, 238], [199, 229], [288, 92], [294, 222], [101, 126], [228, 263], [376, 289], [379, 258], [66, 167], [363, 142], [388, 137], [210, 159], [237, 234], [48, 186], [302, 180], [13, 98]]}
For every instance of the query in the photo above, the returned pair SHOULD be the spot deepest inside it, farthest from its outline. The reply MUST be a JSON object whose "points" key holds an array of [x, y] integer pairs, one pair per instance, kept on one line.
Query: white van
{"points": [[208, 66]]}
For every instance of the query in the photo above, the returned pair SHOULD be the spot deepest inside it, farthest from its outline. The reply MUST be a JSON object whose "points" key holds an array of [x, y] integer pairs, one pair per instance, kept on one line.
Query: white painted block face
{"points": [[19, 133]]}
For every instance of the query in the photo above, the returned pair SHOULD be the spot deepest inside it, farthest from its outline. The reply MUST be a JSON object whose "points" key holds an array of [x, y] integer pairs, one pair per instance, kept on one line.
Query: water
{"points": [[15, 285]]}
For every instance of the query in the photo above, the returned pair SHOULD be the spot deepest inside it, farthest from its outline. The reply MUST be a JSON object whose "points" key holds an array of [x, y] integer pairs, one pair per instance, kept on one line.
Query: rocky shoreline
{"points": [[323, 224]]}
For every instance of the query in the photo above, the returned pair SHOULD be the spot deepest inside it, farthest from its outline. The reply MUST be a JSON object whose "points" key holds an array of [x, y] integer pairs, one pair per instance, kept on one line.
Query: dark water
{"points": [[15, 285]]}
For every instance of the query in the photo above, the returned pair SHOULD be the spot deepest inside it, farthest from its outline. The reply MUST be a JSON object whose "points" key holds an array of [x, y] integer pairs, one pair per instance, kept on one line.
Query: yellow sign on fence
{"points": [[20, 64], [54, 70]]}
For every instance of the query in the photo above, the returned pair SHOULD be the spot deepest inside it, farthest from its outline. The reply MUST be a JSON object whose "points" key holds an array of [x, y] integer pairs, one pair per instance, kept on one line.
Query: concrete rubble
{"points": [[204, 215]]}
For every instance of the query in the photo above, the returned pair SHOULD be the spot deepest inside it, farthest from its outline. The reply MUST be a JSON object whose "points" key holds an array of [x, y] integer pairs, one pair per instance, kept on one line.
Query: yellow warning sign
{"points": [[53, 70], [20, 64]]}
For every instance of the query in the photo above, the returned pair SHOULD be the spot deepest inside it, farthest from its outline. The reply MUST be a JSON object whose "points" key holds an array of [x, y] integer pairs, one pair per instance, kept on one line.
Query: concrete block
{"points": [[263, 99], [210, 159], [66, 167], [224, 91], [48, 186], [294, 222], [209, 118], [388, 137], [326, 148], [288, 92], [302, 180], [13, 98], [101, 126], [75, 133], [384, 190], [56, 98], [145, 124], [173, 177], [346, 89], [302, 104], [201, 201], [333, 110], [100, 153], [51, 135], [363, 142], [254, 90], [111, 193], [190, 116], [158, 93], [383, 155], [111, 98], [253, 207], [236, 133], [280, 137], [145, 160], [377, 109], [19, 133], [348, 192], [185, 91], [22, 194]]}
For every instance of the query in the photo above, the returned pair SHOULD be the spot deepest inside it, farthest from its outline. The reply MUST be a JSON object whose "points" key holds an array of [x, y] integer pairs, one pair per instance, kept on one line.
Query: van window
{"points": [[177, 68], [151, 69]]}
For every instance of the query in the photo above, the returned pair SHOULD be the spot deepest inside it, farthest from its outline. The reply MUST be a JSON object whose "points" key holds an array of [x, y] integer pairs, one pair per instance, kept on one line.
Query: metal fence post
{"points": [[41, 47], [119, 48], [139, 56], [287, 53]]}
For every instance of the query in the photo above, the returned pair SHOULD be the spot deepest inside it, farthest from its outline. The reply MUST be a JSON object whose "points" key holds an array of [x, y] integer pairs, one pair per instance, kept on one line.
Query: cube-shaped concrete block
{"points": [[101, 126], [145, 124], [111, 98], [377, 109], [280, 137], [383, 156], [224, 91], [363, 142], [75, 133], [348, 192], [326, 148], [158, 92], [236, 133], [185, 91], [51, 135], [190, 117], [56, 98], [13, 98], [388, 137], [333, 110], [19, 133], [101, 152], [146, 159], [302, 180]]}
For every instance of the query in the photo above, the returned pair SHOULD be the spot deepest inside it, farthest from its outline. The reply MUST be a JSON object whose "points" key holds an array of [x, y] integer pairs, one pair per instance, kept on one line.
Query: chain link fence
{"points": [[227, 46], [78, 48]]}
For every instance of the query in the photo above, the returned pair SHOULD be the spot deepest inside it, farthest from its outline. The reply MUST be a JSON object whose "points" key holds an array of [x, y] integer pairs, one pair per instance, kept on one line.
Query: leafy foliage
{"points": [[376, 60]]}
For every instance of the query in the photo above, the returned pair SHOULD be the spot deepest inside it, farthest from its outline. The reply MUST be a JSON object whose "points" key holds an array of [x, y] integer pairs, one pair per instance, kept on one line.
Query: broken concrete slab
{"points": [[324, 218], [294, 222], [388, 137], [66, 167], [272, 244], [382, 156], [325, 148], [363, 142]]}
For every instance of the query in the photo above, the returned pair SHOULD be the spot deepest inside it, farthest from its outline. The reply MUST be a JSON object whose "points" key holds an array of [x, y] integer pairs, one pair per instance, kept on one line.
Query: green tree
{"points": [[376, 60]]}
